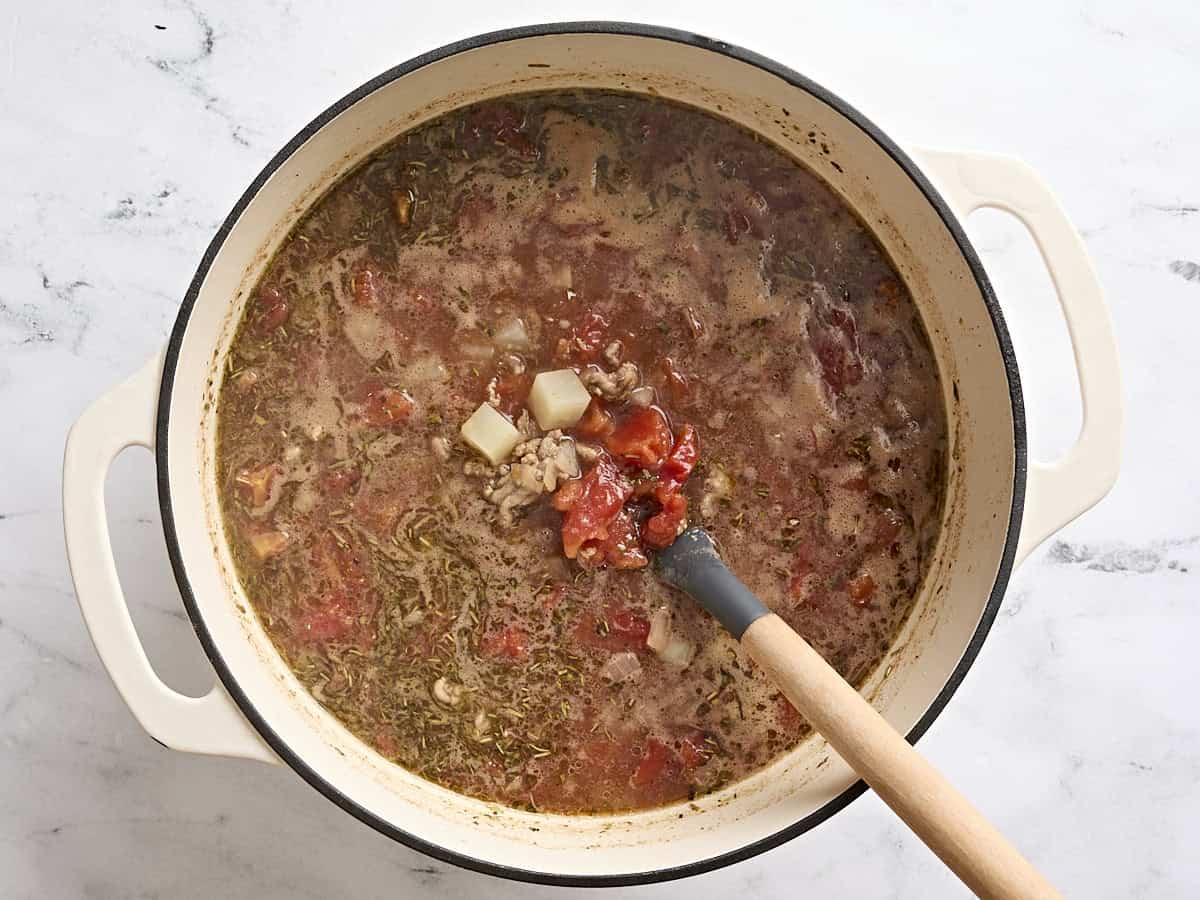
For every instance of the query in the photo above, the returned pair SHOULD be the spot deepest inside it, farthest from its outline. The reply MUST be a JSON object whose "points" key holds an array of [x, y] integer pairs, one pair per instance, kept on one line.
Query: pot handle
{"points": [[125, 417], [1059, 491]]}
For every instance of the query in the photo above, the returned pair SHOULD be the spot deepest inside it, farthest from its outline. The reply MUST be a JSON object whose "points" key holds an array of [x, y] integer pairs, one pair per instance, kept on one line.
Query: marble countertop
{"points": [[127, 131]]}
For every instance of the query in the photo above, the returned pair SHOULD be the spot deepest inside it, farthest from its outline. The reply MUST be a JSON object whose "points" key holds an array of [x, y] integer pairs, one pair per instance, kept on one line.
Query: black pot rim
{"points": [[259, 722]]}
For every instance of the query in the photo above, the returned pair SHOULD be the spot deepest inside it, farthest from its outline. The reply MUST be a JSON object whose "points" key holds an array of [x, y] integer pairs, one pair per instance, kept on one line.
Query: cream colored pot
{"points": [[999, 504]]}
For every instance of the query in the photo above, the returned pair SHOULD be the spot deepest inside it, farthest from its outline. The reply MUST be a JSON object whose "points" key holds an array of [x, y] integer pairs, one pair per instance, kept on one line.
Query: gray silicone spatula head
{"points": [[693, 565]]}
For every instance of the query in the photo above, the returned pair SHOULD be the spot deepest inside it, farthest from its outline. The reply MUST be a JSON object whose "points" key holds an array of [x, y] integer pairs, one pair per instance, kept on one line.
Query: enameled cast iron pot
{"points": [[999, 505]]}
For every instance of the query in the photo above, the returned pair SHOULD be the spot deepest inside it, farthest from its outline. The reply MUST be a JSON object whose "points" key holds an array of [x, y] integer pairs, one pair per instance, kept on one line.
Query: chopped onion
{"points": [[678, 652], [447, 692], [620, 666], [512, 335], [642, 396], [660, 630]]}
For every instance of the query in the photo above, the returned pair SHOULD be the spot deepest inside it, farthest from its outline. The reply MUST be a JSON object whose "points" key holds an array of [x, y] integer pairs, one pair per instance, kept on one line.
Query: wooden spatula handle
{"points": [[986, 862]]}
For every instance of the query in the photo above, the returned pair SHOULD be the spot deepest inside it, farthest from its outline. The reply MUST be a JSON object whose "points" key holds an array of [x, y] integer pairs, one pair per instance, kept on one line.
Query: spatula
{"points": [[940, 816]]}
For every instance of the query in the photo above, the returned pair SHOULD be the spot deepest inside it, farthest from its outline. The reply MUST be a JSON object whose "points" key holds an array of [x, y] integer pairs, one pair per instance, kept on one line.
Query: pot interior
{"points": [[798, 790]]}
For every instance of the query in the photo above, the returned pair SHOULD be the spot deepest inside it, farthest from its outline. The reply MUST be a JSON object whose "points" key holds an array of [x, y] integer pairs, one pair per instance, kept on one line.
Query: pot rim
{"points": [[162, 429]]}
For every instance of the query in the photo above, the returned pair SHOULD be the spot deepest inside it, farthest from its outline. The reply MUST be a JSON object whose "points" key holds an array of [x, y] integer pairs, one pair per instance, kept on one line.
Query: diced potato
{"points": [[490, 433], [558, 399], [267, 543]]}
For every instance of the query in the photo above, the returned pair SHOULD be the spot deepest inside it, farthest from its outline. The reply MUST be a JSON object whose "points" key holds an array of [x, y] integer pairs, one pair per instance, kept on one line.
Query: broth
{"points": [[754, 364]]}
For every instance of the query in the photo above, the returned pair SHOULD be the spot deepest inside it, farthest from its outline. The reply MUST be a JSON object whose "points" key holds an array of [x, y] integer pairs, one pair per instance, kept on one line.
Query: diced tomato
{"points": [[588, 338], [643, 437], [658, 763], [597, 422], [887, 529], [615, 630], [861, 589], [385, 407], [254, 486], [621, 549], [590, 507], [682, 459], [334, 619], [664, 526], [272, 310], [568, 495], [366, 287], [802, 567], [339, 565], [629, 627], [509, 643], [343, 609], [694, 751]]}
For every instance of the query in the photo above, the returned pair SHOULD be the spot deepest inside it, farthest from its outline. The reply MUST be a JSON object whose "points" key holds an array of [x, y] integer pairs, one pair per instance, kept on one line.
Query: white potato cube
{"points": [[490, 433], [558, 399]]}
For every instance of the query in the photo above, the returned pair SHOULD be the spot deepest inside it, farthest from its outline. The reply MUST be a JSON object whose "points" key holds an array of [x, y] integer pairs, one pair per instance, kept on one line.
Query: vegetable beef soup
{"points": [[504, 361]]}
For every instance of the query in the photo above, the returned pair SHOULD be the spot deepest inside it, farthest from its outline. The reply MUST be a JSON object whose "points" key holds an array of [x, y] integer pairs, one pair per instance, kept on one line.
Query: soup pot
{"points": [[999, 505]]}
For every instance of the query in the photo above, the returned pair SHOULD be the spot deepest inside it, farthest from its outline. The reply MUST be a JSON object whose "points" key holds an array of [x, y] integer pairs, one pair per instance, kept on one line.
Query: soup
{"points": [[502, 362]]}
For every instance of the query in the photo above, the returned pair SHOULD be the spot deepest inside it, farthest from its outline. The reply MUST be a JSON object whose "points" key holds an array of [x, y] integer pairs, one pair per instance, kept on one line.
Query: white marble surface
{"points": [[123, 144]]}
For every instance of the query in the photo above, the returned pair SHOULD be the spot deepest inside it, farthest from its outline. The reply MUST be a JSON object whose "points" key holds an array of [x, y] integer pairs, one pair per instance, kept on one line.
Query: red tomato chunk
{"points": [[596, 423], [861, 589], [272, 307], [621, 549], [682, 459], [615, 630], [664, 526], [658, 764], [333, 619], [366, 288], [588, 338], [386, 407], [510, 643], [643, 437], [591, 504], [694, 750]]}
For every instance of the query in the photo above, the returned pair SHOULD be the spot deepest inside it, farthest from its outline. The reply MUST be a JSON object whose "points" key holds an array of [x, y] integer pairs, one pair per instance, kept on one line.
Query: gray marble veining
{"points": [[128, 130]]}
